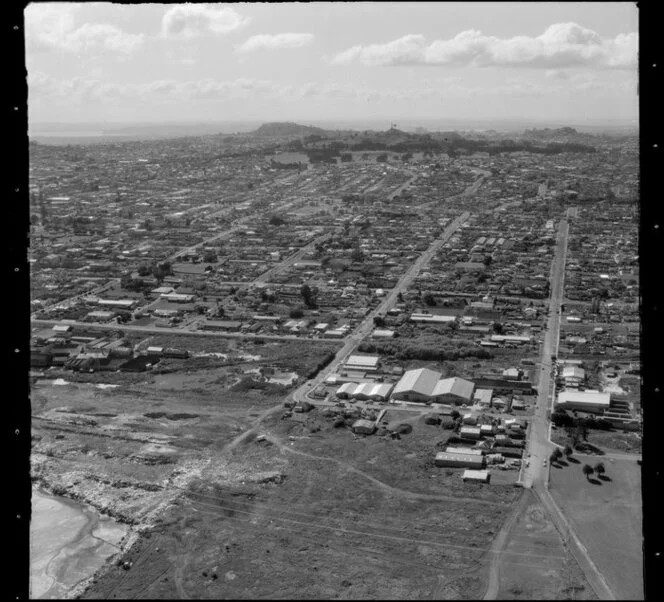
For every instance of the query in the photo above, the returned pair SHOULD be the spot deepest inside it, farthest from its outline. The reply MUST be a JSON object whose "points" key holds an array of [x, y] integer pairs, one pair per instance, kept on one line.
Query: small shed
{"points": [[477, 476], [364, 427]]}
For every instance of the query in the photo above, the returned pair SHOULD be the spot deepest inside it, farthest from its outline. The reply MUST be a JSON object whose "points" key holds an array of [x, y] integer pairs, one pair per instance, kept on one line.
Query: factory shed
{"points": [[416, 385], [477, 476], [483, 396], [346, 390], [454, 390], [584, 401], [362, 362], [455, 460], [419, 317], [470, 432]]}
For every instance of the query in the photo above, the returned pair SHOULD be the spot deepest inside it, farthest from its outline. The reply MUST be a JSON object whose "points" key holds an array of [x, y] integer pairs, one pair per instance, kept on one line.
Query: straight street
{"points": [[536, 474]]}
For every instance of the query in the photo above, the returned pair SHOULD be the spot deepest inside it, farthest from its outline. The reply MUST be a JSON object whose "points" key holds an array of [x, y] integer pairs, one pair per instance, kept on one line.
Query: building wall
{"points": [[411, 396]]}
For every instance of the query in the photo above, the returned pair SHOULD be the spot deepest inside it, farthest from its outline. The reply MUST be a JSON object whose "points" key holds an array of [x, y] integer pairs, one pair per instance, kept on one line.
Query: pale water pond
{"points": [[68, 543]]}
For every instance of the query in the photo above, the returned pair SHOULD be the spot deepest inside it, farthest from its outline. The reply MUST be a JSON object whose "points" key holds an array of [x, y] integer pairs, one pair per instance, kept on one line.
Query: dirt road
{"points": [[497, 547]]}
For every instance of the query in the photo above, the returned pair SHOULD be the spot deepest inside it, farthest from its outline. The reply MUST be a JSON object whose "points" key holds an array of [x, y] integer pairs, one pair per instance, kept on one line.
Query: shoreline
{"points": [[69, 560]]}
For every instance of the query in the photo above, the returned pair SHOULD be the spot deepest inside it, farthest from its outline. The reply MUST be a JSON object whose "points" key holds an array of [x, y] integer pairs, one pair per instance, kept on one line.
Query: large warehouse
{"points": [[584, 401], [453, 390], [425, 385]]}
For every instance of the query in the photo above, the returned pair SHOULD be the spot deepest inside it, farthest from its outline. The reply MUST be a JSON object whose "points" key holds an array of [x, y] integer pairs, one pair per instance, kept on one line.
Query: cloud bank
{"points": [[52, 27], [186, 21], [276, 41], [562, 45]]}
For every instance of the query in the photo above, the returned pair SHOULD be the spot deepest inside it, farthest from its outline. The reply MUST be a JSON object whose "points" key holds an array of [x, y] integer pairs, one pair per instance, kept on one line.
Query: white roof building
{"points": [[362, 362], [416, 385], [481, 476], [585, 401], [453, 389]]}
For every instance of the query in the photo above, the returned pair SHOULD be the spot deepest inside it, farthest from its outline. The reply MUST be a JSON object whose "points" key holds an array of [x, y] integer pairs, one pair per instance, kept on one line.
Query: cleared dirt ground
{"points": [[266, 521], [607, 516]]}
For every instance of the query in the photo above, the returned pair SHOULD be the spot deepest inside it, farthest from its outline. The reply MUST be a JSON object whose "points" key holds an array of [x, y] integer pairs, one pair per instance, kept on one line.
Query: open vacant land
{"points": [[607, 516], [547, 571], [262, 519]]}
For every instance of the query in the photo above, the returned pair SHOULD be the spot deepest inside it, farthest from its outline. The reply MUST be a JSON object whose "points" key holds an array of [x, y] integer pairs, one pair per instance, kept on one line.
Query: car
{"points": [[544, 463]]}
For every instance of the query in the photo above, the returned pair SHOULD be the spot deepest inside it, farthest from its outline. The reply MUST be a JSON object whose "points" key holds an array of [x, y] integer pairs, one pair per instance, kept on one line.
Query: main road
{"points": [[539, 447], [536, 474]]}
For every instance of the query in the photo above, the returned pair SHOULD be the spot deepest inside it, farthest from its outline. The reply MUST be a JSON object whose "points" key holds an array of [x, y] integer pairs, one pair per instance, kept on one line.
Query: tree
{"points": [[357, 255], [296, 313], [210, 257], [429, 299], [379, 321], [498, 328], [600, 469], [587, 470], [308, 296], [568, 450], [276, 220], [143, 270], [553, 457]]}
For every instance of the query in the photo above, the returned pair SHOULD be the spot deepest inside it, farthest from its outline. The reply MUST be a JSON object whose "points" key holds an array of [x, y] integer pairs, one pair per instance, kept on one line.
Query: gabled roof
{"points": [[454, 386], [420, 381]]}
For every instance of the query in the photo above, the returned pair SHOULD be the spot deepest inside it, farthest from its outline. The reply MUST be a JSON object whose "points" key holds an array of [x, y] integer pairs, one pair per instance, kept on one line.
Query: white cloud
{"points": [[192, 20], [562, 45], [51, 26], [407, 49], [276, 41]]}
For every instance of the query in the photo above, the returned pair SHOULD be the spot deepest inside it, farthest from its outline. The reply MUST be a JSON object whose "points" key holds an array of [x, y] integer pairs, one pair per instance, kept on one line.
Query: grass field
{"points": [[546, 571], [607, 517]]}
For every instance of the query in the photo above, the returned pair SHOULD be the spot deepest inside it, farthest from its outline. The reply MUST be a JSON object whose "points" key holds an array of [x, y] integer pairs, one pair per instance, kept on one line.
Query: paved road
{"points": [[535, 475], [539, 446]]}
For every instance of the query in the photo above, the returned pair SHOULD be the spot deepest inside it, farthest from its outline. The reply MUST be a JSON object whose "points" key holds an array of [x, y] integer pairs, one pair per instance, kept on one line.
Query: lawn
{"points": [[607, 517]]}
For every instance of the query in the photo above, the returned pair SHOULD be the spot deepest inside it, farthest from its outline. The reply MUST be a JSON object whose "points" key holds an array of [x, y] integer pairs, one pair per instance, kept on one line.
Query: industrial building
{"points": [[453, 390], [364, 391], [584, 401], [477, 476], [424, 385], [456, 460], [416, 385], [366, 363]]}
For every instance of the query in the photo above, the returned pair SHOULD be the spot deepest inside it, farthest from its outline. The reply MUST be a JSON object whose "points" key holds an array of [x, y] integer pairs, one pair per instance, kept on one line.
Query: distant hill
{"points": [[288, 128]]}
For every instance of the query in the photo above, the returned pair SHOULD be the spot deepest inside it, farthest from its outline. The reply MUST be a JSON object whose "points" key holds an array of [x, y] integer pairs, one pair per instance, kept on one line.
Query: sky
{"points": [[99, 62]]}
